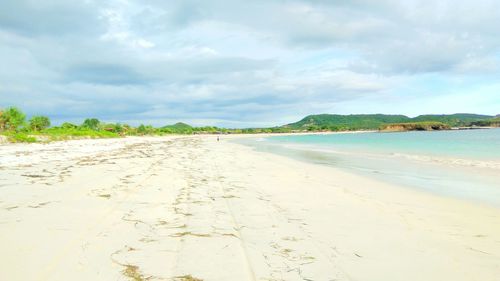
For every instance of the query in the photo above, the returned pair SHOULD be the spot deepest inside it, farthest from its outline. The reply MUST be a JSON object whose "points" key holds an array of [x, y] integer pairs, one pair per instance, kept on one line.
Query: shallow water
{"points": [[461, 164]]}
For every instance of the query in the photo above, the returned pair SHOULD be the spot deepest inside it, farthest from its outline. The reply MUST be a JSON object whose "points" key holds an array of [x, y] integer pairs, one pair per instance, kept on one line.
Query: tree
{"points": [[145, 130], [38, 123], [11, 119], [142, 129], [91, 123], [312, 128], [115, 128]]}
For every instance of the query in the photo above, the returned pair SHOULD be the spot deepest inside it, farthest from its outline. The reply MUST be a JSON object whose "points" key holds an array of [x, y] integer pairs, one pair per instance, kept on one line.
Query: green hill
{"points": [[493, 122], [335, 122], [177, 128], [178, 125], [454, 120]]}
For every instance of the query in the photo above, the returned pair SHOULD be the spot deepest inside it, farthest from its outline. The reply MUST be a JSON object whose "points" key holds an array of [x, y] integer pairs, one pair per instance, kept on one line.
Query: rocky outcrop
{"points": [[419, 126]]}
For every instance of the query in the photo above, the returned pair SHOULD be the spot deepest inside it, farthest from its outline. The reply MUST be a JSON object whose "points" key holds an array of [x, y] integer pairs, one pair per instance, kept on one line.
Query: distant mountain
{"points": [[180, 128], [335, 122], [345, 122], [178, 125]]}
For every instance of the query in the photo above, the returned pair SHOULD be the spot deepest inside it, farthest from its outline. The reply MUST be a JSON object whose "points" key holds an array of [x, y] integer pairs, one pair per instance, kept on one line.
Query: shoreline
{"points": [[44, 139], [468, 179], [165, 208]]}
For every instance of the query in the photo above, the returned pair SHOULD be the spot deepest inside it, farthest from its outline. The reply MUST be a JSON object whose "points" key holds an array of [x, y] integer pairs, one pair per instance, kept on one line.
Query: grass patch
{"points": [[58, 133], [19, 137]]}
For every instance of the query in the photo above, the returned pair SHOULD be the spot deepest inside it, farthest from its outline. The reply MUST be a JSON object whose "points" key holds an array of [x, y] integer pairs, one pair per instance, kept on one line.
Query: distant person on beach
{"points": [[217, 138]]}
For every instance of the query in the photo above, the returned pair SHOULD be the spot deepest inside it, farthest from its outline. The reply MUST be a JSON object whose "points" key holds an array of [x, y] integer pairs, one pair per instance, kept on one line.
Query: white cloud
{"points": [[144, 43], [244, 62]]}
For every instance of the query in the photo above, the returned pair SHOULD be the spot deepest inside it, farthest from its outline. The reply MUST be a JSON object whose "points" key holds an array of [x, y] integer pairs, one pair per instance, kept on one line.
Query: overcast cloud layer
{"points": [[247, 63]]}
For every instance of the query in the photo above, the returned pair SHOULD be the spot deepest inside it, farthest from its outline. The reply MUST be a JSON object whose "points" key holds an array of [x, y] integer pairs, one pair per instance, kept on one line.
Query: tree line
{"points": [[15, 125], [12, 119]]}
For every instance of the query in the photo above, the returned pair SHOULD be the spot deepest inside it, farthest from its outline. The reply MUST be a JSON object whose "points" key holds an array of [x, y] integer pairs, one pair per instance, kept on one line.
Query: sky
{"points": [[243, 63]]}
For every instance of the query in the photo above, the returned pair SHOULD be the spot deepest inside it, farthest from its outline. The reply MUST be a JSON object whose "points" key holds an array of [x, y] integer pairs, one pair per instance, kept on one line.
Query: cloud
{"points": [[99, 73], [54, 17], [243, 62]]}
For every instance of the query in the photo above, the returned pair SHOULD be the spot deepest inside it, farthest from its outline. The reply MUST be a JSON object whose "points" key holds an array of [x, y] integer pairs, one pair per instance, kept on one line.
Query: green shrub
{"points": [[67, 125], [115, 128], [11, 119], [38, 123], [21, 137]]}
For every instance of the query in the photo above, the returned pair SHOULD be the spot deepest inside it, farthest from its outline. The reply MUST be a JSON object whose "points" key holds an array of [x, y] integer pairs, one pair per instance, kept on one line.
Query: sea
{"points": [[463, 164]]}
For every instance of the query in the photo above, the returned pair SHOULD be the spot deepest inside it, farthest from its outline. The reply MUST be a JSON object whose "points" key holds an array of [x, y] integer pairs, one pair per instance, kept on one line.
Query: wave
{"points": [[450, 161], [441, 160]]}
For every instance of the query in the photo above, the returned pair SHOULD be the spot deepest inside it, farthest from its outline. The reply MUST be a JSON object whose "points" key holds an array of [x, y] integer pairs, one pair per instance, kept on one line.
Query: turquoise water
{"points": [[463, 144], [462, 164]]}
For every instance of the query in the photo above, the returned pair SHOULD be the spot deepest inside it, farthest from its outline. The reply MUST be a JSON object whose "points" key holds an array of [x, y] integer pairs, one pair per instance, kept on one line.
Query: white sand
{"points": [[178, 206]]}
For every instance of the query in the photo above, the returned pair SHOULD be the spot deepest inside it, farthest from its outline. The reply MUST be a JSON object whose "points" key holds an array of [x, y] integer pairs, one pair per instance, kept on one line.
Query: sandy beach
{"points": [[192, 208]]}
